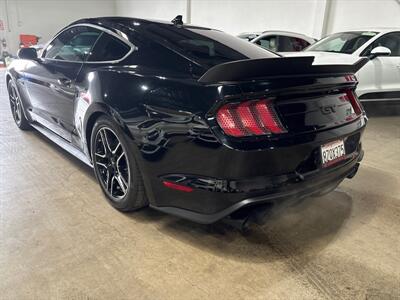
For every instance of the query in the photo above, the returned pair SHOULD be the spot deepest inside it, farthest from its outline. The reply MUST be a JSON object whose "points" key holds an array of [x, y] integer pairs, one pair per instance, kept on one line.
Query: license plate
{"points": [[332, 153]]}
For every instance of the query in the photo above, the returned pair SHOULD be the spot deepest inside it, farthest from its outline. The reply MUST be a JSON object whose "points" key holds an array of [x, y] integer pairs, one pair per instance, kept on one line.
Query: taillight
{"points": [[176, 186], [355, 103], [256, 117]]}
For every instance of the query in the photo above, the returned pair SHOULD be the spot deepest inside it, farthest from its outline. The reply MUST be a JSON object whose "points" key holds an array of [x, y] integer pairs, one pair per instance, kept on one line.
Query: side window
{"points": [[74, 44], [390, 40], [269, 43], [290, 44], [298, 44], [285, 44], [108, 48]]}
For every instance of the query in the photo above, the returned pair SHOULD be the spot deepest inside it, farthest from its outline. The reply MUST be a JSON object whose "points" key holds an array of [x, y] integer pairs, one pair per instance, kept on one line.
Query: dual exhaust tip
{"points": [[259, 214]]}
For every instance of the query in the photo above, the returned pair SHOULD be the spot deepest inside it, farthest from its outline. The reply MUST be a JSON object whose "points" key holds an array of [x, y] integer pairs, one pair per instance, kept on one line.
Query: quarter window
{"points": [[108, 48], [74, 44]]}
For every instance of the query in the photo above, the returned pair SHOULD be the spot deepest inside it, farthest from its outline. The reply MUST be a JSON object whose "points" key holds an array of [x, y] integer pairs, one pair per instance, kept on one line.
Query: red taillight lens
{"points": [[268, 117], [355, 103], [249, 118], [179, 187], [228, 121]]}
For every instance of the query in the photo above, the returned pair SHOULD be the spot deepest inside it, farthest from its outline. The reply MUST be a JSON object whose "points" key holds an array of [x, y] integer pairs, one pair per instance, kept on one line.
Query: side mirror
{"points": [[27, 53], [379, 51]]}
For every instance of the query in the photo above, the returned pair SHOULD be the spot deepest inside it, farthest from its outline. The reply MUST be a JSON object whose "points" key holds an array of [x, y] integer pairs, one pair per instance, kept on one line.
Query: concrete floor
{"points": [[60, 239]]}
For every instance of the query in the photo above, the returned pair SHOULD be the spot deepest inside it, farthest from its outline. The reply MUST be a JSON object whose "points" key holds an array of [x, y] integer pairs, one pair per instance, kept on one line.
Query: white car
{"points": [[379, 79], [283, 41], [278, 41], [248, 36]]}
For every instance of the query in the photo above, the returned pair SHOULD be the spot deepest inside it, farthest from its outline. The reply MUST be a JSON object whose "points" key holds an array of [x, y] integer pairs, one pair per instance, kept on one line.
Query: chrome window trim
{"points": [[103, 30]]}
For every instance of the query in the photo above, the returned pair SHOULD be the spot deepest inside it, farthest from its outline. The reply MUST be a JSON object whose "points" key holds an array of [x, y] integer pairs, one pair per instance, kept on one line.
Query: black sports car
{"points": [[190, 120]]}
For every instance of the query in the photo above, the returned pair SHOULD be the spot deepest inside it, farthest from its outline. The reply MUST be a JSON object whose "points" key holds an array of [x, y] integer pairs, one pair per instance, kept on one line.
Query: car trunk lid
{"points": [[295, 95]]}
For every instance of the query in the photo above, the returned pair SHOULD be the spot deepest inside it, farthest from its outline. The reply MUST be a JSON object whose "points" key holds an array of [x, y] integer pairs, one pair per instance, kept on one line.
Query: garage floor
{"points": [[59, 238]]}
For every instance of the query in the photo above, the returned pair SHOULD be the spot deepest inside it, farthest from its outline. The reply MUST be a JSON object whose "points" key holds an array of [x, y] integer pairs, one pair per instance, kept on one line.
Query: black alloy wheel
{"points": [[111, 161], [16, 107], [115, 166]]}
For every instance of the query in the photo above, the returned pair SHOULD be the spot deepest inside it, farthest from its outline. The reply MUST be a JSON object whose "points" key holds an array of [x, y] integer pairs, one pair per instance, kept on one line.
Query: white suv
{"points": [[379, 79]]}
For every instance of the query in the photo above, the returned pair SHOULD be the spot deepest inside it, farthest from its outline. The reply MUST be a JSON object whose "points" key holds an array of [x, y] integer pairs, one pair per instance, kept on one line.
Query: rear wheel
{"points": [[115, 167], [16, 107]]}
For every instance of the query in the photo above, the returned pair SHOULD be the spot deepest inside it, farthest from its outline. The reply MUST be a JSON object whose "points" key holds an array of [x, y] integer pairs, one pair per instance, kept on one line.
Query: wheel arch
{"points": [[101, 109], [98, 110], [89, 128], [8, 78]]}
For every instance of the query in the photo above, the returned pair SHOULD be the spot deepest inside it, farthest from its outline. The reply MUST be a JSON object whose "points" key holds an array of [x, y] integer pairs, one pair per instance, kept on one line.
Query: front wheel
{"points": [[16, 107], [115, 167]]}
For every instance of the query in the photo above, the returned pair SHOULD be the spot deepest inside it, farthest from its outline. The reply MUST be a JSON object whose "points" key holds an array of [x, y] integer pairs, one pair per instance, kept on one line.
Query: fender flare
{"points": [[9, 77]]}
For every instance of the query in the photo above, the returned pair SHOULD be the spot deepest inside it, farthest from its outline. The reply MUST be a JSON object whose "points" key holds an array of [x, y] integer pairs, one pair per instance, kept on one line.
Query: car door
{"points": [[51, 79], [108, 50], [381, 74]]}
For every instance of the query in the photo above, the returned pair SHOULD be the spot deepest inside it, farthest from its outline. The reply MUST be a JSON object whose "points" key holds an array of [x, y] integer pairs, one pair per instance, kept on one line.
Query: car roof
{"points": [[250, 33], [128, 22], [259, 33], [287, 33], [377, 29], [282, 31]]}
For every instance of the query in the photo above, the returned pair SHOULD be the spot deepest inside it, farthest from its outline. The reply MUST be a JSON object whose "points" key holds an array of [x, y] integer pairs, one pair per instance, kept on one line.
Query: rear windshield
{"points": [[205, 46]]}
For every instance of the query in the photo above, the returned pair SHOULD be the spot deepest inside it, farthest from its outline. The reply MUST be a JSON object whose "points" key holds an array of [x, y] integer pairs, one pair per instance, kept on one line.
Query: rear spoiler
{"points": [[250, 69]]}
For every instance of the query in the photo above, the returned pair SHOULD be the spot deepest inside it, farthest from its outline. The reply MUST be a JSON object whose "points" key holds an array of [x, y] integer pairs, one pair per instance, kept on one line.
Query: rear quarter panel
{"points": [[163, 115]]}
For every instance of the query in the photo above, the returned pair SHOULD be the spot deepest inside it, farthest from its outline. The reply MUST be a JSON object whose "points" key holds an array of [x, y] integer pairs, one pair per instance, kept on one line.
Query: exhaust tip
{"points": [[353, 171]]}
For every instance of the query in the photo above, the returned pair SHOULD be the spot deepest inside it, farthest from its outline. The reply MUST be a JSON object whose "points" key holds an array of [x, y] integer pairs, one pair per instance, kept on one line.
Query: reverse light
{"points": [[249, 118], [178, 187]]}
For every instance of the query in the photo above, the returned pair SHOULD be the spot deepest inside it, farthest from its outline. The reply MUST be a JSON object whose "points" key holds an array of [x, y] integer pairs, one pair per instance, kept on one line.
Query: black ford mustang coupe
{"points": [[190, 120]]}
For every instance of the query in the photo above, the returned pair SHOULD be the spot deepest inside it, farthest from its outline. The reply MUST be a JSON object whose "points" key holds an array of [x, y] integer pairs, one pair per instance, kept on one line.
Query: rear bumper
{"points": [[311, 184]]}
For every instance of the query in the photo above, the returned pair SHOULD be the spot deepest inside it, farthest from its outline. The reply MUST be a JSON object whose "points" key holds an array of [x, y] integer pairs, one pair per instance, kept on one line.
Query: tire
{"points": [[17, 109], [115, 166]]}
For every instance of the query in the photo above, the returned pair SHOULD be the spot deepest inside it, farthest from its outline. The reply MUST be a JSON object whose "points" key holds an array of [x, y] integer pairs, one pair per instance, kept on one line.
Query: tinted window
{"points": [[290, 44], [390, 40], [205, 46], [73, 44], [344, 42], [151, 54], [108, 48], [269, 42]]}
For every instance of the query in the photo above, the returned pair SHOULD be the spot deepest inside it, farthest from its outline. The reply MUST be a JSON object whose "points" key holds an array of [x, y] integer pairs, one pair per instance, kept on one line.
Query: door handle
{"points": [[64, 81]]}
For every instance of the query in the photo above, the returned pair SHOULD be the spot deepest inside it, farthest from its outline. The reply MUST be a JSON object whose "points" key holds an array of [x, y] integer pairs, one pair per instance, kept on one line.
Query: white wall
{"points": [[305, 16], [46, 17], [151, 9], [254, 15], [233, 16], [353, 14]]}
